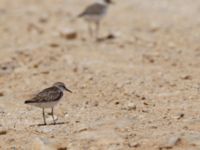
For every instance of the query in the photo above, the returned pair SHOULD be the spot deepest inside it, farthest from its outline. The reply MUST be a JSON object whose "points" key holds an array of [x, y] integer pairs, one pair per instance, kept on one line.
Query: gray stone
{"points": [[193, 138], [41, 144]]}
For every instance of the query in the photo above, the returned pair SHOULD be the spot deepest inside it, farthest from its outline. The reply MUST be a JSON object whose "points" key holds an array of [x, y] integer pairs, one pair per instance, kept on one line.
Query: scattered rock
{"points": [[66, 114], [43, 18], [130, 106], [180, 116], [173, 141], [1, 94], [186, 77], [111, 36], [7, 67], [149, 58], [54, 45], [145, 111], [62, 148], [13, 148], [34, 28], [11, 140], [69, 34], [117, 103], [45, 72], [41, 144], [77, 121], [104, 136], [3, 132], [193, 138], [89, 78], [35, 66], [2, 110], [82, 130], [95, 104], [171, 45], [154, 27], [133, 145]]}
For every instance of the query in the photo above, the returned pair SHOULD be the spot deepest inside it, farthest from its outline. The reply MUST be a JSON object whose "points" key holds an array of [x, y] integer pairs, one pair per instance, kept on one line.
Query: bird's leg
{"points": [[97, 30], [90, 29], [44, 116], [53, 115]]}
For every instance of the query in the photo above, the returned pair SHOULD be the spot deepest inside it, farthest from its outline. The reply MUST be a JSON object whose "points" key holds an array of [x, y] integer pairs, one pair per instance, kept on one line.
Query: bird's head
{"points": [[61, 86], [108, 1]]}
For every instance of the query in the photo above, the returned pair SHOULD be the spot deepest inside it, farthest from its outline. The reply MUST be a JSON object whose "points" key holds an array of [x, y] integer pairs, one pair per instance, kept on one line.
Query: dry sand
{"points": [[140, 90]]}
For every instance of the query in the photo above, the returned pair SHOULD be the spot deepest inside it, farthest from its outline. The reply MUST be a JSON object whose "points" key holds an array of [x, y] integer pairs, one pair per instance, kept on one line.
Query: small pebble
{"points": [[173, 141], [186, 77], [117, 103], [180, 116], [135, 145], [1, 94], [62, 148], [54, 45], [69, 34], [3, 132], [130, 106]]}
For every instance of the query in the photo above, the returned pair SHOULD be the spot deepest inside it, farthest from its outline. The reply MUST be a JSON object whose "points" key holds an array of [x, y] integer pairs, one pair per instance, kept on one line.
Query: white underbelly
{"points": [[45, 104], [93, 18]]}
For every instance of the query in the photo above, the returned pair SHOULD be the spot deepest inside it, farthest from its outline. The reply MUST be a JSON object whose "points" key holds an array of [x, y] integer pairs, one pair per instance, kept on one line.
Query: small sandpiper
{"points": [[48, 98], [94, 13]]}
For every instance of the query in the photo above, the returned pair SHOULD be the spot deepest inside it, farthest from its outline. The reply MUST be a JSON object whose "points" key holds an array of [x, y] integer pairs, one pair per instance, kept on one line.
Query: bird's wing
{"points": [[94, 9], [49, 94]]}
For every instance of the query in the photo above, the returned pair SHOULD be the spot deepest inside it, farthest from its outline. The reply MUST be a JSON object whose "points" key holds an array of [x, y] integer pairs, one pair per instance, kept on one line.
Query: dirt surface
{"points": [[140, 90]]}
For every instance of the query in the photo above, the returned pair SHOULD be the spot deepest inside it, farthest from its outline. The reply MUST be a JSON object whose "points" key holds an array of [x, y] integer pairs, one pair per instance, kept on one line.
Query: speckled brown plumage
{"points": [[46, 95], [48, 98]]}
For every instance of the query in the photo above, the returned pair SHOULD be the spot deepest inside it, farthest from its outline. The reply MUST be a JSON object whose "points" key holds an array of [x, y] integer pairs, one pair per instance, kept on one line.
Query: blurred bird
{"points": [[48, 98], [94, 13]]}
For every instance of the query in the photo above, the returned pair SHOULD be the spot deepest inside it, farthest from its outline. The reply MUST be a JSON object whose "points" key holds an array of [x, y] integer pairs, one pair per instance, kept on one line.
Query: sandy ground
{"points": [[140, 90]]}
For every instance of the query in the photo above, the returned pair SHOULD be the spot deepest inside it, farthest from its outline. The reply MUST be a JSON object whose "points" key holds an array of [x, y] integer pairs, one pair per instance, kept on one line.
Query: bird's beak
{"points": [[68, 90]]}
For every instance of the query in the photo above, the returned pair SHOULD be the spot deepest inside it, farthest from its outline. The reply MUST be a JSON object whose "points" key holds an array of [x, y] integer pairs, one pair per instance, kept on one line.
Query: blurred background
{"points": [[136, 90]]}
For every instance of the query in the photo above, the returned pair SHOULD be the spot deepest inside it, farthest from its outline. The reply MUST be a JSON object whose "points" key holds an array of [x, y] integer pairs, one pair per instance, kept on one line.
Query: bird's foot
{"points": [[44, 124]]}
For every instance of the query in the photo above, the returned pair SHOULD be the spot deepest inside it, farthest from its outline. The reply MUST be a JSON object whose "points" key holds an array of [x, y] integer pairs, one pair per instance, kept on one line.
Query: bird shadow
{"points": [[105, 38], [51, 124]]}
